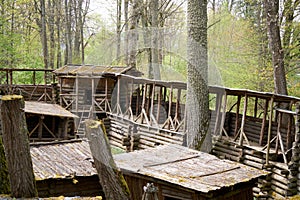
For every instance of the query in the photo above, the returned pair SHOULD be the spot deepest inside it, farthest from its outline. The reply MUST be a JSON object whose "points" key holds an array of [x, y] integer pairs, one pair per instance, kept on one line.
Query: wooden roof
{"points": [[90, 70], [54, 160], [171, 163], [41, 108], [188, 168]]}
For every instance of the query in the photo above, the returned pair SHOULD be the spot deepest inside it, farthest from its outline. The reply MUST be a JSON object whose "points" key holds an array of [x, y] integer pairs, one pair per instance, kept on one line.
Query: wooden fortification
{"points": [[249, 127]]}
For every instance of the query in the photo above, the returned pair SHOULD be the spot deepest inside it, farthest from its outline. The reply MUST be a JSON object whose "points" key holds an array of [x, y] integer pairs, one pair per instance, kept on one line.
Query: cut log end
{"points": [[11, 97]]}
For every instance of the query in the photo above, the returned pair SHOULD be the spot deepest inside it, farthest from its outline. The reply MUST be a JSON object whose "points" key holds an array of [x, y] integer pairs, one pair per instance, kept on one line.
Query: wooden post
{"points": [[263, 125], [255, 107], [217, 108], [111, 178], [224, 105], [159, 104], [170, 106], [243, 120], [40, 133], [16, 145], [269, 131], [237, 120]]}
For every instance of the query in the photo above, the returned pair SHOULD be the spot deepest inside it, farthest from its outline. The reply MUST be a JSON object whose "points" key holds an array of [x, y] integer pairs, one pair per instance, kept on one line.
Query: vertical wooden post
{"points": [[237, 114], [106, 96], [152, 102], [255, 107], [243, 120], [269, 130], [16, 145], [170, 106], [178, 103], [93, 97], [159, 104], [76, 93], [60, 91], [40, 131], [224, 107], [111, 179], [263, 125]]}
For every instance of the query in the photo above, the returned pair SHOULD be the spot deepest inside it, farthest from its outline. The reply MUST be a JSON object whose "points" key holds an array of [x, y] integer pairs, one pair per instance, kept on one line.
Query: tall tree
{"points": [[197, 103], [273, 26]]}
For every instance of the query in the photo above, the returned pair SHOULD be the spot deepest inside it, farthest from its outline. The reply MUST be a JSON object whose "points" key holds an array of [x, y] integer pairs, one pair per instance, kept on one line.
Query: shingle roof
{"points": [[172, 163], [47, 109], [90, 70]]}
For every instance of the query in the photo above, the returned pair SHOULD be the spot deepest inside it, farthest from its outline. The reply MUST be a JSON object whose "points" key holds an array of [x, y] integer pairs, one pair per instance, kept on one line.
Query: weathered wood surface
{"points": [[111, 178], [16, 145], [4, 180]]}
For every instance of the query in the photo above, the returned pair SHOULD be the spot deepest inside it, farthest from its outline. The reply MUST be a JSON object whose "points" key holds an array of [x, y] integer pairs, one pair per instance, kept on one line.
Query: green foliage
{"points": [[234, 51]]}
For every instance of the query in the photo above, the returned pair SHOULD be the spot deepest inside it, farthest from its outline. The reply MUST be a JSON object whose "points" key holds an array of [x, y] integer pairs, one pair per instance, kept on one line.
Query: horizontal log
{"points": [[116, 144], [225, 156], [229, 146], [253, 164], [112, 133], [165, 135], [228, 151], [143, 146], [254, 159], [147, 142], [278, 178], [159, 138]]}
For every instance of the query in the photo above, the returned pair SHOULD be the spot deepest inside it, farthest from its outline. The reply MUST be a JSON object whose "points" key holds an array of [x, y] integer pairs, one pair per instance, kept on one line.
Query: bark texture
{"points": [[111, 178], [4, 186], [272, 7], [16, 146], [197, 106]]}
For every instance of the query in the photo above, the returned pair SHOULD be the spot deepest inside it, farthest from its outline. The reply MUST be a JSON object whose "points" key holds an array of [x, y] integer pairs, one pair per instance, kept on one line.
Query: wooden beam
{"points": [[269, 130], [243, 120], [263, 125], [237, 113]]}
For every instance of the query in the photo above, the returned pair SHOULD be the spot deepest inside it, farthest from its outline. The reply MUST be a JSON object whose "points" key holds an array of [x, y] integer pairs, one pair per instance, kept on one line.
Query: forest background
{"points": [[50, 34]]}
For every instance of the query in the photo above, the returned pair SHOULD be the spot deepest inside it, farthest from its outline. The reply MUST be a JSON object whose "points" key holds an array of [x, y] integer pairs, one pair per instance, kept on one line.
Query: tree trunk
{"points": [[276, 49], [133, 37], [119, 16], [51, 24], [4, 186], [197, 105], [57, 23], [44, 34], [16, 145], [111, 178], [154, 73]]}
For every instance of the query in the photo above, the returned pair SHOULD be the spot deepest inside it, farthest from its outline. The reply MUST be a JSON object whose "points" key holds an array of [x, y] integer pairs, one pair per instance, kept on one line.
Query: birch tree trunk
{"points": [[16, 145], [111, 178], [197, 104]]}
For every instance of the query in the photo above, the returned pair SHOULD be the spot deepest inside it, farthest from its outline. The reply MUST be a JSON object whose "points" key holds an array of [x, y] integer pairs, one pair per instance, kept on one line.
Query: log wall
{"points": [[128, 135]]}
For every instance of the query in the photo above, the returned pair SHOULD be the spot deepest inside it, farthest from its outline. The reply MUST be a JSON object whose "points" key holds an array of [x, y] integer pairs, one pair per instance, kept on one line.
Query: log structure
{"points": [[16, 147], [139, 113]]}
